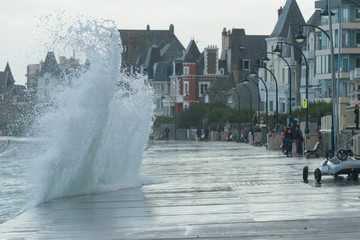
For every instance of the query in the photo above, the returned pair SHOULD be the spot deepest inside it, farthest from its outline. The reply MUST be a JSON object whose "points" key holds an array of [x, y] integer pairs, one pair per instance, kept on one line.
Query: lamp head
{"points": [[162, 97], [234, 87], [299, 37], [252, 73], [325, 12], [223, 90], [245, 80], [265, 59], [277, 50]]}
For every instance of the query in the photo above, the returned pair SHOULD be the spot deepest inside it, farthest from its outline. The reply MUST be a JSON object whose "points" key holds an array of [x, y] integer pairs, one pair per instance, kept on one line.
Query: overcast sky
{"points": [[202, 20]]}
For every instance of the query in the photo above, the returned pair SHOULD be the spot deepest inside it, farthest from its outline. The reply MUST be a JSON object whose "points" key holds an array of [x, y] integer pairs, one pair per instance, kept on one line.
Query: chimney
{"points": [[280, 11], [148, 35], [224, 32], [171, 29]]}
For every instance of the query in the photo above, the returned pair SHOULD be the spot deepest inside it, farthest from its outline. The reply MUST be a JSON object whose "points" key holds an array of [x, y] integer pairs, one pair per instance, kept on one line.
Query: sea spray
{"points": [[96, 122]]}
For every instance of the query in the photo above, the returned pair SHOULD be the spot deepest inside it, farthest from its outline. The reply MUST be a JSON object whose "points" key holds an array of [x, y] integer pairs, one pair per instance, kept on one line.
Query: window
{"points": [[203, 87], [246, 64], [230, 99], [345, 15], [271, 106], [159, 87], [186, 88], [357, 14], [357, 37], [186, 71], [357, 62], [345, 65], [186, 105]]}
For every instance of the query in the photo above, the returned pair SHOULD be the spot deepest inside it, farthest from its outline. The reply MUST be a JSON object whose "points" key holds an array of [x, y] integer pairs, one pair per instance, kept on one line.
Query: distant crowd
{"points": [[11, 130]]}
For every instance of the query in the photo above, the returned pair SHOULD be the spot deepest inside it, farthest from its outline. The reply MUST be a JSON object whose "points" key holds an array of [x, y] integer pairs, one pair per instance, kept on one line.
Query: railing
{"points": [[355, 74]]}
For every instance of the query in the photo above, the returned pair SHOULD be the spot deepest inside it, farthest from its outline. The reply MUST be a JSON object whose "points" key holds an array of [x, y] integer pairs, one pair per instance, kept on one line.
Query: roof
{"points": [[50, 65], [191, 53], [315, 18], [162, 70], [142, 40], [290, 16], [251, 47]]}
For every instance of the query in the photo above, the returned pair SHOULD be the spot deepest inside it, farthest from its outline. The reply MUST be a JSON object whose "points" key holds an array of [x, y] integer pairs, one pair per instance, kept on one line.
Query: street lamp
{"points": [[237, 93], [246, 81], [245, 85], [266, 59], [334, 123], [276, 87], [306, 84], [266, 102], [162, 98], [222, 102]]}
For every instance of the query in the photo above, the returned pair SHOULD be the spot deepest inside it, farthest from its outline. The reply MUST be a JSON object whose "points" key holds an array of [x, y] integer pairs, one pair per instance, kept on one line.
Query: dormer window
{"points": [[246, 64], [186, 70]]}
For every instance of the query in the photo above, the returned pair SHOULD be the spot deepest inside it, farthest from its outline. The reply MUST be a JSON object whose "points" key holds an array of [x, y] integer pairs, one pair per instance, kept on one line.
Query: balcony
{"points": [[355, 74]]}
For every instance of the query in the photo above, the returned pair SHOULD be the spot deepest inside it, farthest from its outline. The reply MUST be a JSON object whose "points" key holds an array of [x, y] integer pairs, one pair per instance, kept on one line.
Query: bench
{"points": [[314, 151]]}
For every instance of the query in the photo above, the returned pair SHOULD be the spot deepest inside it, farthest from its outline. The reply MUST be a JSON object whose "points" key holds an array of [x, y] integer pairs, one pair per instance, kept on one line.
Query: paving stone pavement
{"points": [[206, 190]]}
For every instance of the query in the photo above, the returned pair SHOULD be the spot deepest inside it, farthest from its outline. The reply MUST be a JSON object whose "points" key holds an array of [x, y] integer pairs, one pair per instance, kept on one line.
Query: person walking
{"points": [[356, 111], [289, 139], [319, 119], [298, 140]]}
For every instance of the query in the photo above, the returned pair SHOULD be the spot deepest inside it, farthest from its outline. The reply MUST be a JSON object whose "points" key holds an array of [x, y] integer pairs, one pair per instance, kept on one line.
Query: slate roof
{"points": [[6, 78], [191, 53], [290, 16], [50, 65], [148, 38], [251, 47], [162, 71]]}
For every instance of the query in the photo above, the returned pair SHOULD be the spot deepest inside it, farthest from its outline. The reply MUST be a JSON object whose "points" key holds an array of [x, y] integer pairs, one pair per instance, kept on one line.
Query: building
{"points": [[241, 52], [32, 74], [141, 49], [287, 70], [9, 91], [346, 35], [310, 46], [192, 75], [51, 74], [151, 52]]}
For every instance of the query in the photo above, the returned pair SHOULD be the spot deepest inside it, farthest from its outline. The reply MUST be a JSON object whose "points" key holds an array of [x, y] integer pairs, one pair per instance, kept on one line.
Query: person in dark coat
{"points": [[288, 139], [319, 119], [356, 111], [298, 140]]}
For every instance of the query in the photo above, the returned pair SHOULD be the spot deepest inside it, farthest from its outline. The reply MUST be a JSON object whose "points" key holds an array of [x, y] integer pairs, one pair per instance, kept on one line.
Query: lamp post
{"points": [[266, 102], [237, 93], [162, 98], [300, 38], [244, 84], [222, 102], [252, 73], [306, 84], [287, 63]]}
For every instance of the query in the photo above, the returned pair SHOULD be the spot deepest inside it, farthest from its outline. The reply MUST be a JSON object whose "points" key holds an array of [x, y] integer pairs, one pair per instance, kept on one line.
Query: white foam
{"points": [[97, 126]]}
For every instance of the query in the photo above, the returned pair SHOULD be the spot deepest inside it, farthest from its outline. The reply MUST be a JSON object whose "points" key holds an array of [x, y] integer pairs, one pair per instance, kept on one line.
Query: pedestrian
{"points": [[289, 139], [198, 134], [167, 130], [206, 133], [279, 128], [227, 130], [298, 140], [246, 135], [356, 111], [320, 115]]}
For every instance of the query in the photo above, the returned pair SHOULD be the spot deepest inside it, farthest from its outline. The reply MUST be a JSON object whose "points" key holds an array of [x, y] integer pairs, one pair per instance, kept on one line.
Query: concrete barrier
{"points": [[274, 141]]}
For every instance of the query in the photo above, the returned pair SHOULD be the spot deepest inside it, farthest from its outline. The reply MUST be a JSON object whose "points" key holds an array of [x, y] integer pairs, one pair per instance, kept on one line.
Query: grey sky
{"points": [[202, 20]]}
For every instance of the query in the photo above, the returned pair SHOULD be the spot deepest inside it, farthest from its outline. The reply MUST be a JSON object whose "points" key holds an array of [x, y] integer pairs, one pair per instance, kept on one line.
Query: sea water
{"points": [[92, 128]]}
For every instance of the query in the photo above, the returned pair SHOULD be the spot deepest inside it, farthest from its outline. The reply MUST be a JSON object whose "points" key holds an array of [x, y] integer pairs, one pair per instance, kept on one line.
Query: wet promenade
{"points": [[210, 191]]}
